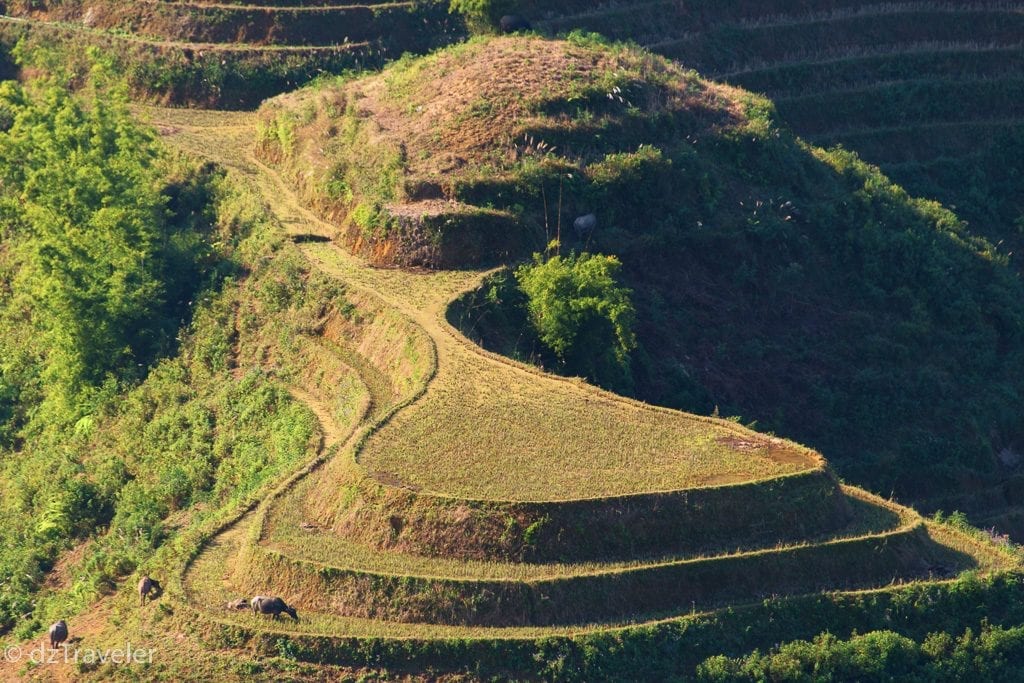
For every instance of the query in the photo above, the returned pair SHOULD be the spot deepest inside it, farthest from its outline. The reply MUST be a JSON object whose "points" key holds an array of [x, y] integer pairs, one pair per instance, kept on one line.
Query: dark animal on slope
{"points": [[513, 23], [585, 225], [149, 588], [272, 606], [58, 634]]}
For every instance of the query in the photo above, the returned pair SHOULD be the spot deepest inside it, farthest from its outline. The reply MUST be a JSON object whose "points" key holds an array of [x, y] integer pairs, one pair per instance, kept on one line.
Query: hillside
{"points": [[731, 231], [926, 90], [433, 510], [424, 571], [228, 55], [446, 161]]}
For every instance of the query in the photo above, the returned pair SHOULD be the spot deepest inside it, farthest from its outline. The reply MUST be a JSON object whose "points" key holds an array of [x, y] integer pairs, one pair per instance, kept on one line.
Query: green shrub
{"points": [[994, 654], [581, 312]]}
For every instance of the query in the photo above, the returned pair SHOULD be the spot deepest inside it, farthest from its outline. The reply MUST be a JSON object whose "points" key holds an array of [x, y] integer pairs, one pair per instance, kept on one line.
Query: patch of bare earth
{"points": [[774, 449], [61, 576]]}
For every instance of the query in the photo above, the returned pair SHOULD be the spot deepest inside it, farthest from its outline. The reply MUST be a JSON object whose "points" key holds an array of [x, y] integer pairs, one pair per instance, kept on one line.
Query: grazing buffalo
{"points": [[513, 23], [585, 225], [149, 588], [272, 606], [58, 634]]}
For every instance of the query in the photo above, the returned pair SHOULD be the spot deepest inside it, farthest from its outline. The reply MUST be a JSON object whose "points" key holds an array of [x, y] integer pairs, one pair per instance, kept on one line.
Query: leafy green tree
{"points": [[81, 193], [581, 312]]}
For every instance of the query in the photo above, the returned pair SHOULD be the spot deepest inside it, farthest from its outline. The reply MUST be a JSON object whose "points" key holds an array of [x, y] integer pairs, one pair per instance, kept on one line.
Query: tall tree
{"points": [[81, 198]]}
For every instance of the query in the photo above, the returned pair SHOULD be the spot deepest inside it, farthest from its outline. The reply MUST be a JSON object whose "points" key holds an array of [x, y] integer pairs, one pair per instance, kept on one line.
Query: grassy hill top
{"points": [[457, 158]]}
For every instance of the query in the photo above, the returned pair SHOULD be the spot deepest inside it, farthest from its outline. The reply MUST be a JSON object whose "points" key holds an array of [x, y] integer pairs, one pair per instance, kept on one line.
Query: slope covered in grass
{"points": [[793, 286], [244, 492], [385, 572], [227, 55], [488, 430], [452, 159]]}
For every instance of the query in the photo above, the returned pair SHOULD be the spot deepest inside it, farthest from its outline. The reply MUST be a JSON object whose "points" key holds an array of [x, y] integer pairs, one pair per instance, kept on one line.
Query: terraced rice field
{"points": [[909, 85], [231, 55], [486, 429], [839, 68], [462, 506], [378, 564]]}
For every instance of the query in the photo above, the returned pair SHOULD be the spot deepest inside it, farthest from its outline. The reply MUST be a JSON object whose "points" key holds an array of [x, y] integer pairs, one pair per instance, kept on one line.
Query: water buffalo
{"points": [[513, 23], [58, 634], [150, 588], [585, 225], [272, 606]]}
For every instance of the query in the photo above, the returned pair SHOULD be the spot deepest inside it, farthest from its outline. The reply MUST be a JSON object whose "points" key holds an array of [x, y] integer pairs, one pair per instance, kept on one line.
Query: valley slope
{"points": [[454, 511]]}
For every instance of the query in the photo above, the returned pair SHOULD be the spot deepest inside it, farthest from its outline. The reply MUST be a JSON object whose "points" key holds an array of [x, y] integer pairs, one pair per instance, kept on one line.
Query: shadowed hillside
{"points": [[927, 90]]}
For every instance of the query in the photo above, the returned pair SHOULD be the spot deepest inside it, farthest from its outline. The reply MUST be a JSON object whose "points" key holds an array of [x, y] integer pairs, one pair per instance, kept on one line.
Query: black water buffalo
{"points": [[513, 23], [58, 633], [149, 588], [585, 225], [272, 606]]}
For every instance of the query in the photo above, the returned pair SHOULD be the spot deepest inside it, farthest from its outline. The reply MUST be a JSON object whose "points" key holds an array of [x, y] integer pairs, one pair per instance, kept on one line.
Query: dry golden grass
{"points": [[285, 534], [471, 103], [490, 428], [210, 586]]}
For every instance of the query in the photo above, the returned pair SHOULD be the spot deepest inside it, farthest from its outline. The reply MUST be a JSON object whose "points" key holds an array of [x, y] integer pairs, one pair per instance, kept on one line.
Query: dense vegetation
{"points": [[120, 410], [994, 654], [986, 189], [102, 260], [580, 313], [929, 91]]}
